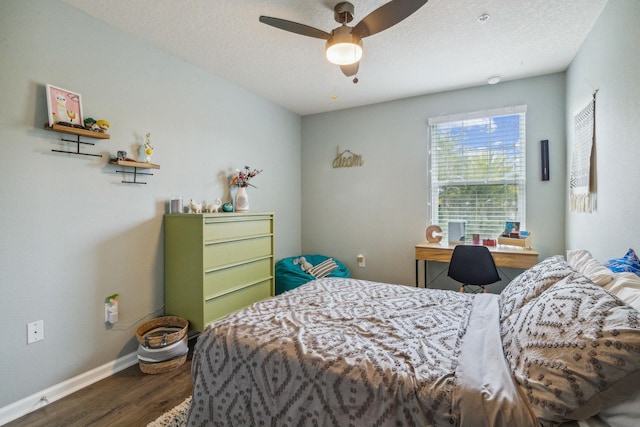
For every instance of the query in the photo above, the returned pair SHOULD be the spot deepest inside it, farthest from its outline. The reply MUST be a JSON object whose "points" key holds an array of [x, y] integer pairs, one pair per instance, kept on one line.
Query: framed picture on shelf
{"points": [[511, 227], [64, 106]]}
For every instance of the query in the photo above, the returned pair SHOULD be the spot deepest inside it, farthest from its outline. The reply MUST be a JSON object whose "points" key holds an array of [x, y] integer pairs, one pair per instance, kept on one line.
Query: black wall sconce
{"points": [[544, 159]]}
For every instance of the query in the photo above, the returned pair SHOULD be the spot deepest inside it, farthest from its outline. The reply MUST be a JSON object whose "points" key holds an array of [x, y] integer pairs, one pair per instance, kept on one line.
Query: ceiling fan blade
{"points": [[351, 69], [295, 27], [387, 16]]}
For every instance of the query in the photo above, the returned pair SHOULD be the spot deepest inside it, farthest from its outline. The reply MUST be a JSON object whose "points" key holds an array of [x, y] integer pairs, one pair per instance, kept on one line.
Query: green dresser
{"points": [[215, 264]]}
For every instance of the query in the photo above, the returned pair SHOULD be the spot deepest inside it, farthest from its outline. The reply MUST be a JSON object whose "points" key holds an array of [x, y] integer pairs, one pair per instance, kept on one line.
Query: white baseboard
{"points": [[43, 398]]}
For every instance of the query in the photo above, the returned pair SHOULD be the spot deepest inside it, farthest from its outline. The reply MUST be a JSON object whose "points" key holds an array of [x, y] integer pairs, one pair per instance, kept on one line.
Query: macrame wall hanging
{"points": [[582, 182]]}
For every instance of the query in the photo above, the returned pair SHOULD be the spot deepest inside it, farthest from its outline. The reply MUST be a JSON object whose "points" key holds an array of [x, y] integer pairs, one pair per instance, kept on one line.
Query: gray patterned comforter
{"points": [[346, 352]]}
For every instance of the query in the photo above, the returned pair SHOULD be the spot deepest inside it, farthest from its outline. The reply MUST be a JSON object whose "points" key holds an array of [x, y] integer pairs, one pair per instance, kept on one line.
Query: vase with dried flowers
{"points": [[241, 180]]}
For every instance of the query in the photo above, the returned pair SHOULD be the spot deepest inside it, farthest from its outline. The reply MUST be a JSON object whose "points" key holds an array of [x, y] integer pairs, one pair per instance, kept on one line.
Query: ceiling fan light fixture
{"points": [[344, 53], [344, 48], [344, 44]]}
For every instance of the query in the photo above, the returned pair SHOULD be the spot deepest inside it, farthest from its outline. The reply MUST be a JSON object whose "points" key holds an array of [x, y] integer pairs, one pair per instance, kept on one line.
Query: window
{"points": [[477, 170]]}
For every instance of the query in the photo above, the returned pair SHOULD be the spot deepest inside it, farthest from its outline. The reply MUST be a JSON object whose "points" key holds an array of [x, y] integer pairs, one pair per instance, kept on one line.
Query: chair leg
{"points": [[477, 290]]}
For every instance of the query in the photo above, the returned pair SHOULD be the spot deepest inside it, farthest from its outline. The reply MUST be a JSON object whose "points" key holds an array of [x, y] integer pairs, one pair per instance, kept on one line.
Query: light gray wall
{"points": [[380, 209], [609, 61], [71, 233]]}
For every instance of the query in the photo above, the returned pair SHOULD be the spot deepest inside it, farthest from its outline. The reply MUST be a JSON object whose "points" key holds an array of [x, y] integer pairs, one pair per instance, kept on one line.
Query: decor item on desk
{"points": [[103, 125], [65, 107], [94, 125], [242, 200], [146, 150], [195, 207], [523, 239], [227, 207], [241, 180], [456, 231], [215, 206], [91, 124], [511, 227], [513, 236], [434, 234], [175, 204]]}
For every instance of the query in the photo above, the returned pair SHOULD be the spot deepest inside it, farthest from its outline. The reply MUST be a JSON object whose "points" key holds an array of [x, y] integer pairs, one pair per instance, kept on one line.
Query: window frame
{"points": [[519, 181]]}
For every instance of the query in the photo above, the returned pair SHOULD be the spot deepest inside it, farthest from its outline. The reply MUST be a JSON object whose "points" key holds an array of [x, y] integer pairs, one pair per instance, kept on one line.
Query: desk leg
{"points": [[418, 273], [425, 274]]}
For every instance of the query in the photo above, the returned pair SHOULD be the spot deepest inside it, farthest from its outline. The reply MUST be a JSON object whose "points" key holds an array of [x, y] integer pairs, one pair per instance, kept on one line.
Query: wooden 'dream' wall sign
{"points": [[347, 159]]}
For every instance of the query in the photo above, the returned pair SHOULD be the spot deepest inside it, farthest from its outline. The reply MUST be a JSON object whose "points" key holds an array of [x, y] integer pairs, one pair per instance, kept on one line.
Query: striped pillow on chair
{"points": [[323, 269]]}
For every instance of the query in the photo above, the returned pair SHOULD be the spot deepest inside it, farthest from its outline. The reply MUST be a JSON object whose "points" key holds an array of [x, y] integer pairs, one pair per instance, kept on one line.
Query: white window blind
{"points": [[477, 170]]}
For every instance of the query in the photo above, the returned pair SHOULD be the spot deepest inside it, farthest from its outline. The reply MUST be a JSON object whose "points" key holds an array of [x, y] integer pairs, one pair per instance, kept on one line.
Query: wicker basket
{"points": [[161, 367], [164, 366], [162, 331], [159, 333]]}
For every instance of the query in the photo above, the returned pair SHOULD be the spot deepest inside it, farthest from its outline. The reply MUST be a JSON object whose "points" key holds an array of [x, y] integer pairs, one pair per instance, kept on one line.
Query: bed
{"points": [[553, 347]]}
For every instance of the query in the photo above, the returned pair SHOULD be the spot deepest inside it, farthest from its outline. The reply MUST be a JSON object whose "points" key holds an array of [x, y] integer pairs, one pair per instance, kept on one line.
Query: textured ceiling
{"points": [[440, 47]]}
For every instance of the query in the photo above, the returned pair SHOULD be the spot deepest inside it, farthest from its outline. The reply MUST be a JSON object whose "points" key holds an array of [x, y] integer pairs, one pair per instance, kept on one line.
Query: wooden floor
{"points": [[129, 398]]}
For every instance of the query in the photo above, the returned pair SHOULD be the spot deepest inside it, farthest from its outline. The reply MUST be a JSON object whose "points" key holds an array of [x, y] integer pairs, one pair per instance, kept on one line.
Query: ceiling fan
{"points": [[344, 43]]}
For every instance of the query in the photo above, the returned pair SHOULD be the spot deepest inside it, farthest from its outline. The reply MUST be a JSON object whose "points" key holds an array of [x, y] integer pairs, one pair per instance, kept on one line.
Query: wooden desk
{"points": [[504, 256]]}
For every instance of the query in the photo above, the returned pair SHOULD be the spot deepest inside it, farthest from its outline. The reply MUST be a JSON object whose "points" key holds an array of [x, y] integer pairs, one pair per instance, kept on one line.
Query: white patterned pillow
{"points": [[531, 283], [626, 286], [574, 350], [583, 262]]}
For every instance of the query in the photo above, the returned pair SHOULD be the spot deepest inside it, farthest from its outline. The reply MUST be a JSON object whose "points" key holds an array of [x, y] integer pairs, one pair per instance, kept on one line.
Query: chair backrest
{"points": [[473, 265]]}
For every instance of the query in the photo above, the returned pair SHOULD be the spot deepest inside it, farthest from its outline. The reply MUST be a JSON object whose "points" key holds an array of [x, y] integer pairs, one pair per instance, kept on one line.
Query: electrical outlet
{"points": [[111, 309], [361, 261], [35, 331]]}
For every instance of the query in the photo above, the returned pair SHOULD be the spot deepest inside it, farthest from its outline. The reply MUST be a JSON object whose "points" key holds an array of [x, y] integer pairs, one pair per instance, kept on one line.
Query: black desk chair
{"points": [[474, 267]]}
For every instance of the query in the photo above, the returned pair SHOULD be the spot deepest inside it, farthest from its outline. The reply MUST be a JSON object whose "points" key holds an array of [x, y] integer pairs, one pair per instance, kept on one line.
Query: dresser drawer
{"points": [[221, 306], [217, 263], [236, 251], [222, 229], [224, 279]]}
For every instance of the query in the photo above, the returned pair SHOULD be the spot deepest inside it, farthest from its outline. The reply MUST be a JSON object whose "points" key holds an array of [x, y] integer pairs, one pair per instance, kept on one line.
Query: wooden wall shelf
{"points": [[78, 132], [135, 165]]}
